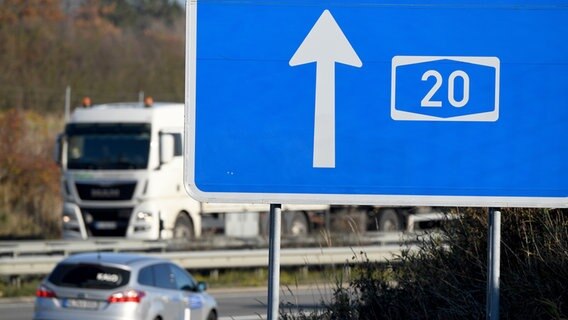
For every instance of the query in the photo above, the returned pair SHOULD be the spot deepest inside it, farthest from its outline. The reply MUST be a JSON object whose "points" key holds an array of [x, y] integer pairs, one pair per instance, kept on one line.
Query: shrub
{"points": [[447, 279], [29, 178]]}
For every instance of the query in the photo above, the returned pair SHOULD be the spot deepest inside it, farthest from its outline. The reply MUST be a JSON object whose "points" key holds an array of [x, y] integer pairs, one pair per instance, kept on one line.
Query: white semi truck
{"points": [[122, 176]]}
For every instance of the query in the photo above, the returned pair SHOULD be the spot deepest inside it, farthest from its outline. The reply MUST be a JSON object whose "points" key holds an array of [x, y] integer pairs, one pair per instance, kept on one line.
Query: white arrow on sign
{"points": [[325, 44]]}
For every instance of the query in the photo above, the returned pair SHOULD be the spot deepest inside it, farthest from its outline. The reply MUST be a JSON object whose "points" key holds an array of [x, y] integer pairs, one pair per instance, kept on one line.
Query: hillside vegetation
{"points": [[108, 50], [29, 181]]}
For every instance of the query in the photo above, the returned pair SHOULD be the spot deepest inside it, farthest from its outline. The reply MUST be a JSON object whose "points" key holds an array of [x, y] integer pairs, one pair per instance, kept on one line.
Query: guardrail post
{"points": [[259, 273], [347, 272], [214, 274], [305, 271], [16, 281]]}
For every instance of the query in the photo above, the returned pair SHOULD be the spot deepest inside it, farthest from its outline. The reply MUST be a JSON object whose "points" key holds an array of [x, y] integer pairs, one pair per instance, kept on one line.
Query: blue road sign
{"points": [[373, 102]]}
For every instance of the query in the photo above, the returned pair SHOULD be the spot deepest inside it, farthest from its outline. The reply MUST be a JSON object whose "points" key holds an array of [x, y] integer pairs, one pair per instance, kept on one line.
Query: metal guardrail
{"points": [[41, 265], [20, 258], [288, 257], [67, 247]]}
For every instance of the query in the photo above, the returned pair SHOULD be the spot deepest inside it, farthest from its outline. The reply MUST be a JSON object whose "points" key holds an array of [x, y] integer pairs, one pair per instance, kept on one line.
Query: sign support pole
{"points": [[493, 264], [275, 221]]}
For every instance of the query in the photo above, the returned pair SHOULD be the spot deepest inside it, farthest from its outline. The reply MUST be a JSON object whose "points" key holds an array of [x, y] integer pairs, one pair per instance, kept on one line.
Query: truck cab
{"points": [[122, 173]]}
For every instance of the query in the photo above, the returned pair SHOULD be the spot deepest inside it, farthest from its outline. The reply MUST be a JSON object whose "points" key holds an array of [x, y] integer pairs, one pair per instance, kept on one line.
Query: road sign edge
{"points": [[383, 200], [240, 197]]}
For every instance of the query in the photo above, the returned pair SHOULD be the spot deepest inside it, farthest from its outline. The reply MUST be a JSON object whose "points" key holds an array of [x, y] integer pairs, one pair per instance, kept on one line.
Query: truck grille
{"points": [[108, 191], [106, 222]]}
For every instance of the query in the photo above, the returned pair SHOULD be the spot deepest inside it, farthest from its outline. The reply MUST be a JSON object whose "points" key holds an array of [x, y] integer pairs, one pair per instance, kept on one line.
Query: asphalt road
{"points": [[234, 304]]}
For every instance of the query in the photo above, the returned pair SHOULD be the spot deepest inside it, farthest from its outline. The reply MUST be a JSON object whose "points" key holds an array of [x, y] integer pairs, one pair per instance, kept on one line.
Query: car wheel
{"points": [[389, 221], [212, 316], [183, 227]]}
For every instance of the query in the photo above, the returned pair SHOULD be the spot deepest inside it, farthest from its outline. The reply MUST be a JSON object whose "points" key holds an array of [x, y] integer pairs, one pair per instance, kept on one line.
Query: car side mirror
{"points": [[201, 286], [166, 148], [188, 288]]}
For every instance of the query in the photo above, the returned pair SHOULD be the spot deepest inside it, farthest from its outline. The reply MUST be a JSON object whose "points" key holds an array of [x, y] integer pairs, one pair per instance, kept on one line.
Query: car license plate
{"points": [[80, 304], [105, 225]]}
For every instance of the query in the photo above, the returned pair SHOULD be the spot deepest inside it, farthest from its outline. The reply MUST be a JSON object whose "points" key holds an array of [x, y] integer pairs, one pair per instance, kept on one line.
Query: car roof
{"points": [[125, 259]]}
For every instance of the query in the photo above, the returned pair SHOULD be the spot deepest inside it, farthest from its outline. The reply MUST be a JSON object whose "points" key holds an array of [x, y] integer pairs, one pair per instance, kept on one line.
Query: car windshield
{"points": [[108, 146], [89, 276]]}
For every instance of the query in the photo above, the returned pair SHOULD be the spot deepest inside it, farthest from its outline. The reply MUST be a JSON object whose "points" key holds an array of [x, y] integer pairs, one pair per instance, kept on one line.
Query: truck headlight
{"points": [[144, 216], [69, 217], [70, 222]]}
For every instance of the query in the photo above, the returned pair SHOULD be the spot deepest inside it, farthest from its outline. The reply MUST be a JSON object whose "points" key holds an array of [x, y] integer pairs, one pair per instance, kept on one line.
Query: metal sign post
{"points": [[275, 221], [493, 264]]}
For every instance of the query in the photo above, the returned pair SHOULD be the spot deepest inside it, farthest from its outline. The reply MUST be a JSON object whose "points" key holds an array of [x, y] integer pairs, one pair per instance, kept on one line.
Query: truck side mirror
{"points": [[58, 149], [166, 148]]}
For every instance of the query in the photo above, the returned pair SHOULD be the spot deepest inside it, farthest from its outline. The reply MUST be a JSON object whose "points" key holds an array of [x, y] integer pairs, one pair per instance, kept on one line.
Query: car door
{"points": [[171, 297]]}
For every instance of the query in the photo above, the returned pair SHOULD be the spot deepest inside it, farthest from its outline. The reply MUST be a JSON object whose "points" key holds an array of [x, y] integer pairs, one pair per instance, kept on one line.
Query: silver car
{"points": [[122, 286]]}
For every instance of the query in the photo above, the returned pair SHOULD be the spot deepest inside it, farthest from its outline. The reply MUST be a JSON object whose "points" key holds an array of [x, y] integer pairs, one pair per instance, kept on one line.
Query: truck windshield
{"points": [[108, 146]]}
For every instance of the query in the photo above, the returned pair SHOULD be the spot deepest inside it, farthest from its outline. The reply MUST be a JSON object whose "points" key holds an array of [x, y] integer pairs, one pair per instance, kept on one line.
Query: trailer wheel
{"points": [[299, 225], [183, 227], [389, 221]]}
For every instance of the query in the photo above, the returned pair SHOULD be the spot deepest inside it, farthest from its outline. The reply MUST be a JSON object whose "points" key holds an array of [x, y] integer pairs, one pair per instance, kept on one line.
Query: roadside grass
{"points": [[26, 287], [258, 277], [229, 278]]}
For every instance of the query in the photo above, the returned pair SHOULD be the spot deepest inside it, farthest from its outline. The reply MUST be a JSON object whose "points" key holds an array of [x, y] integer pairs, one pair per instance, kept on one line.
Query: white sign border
{"points": [[305, 198]]}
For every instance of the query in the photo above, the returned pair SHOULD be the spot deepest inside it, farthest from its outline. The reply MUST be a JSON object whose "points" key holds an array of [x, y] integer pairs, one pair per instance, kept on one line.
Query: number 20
{"points": [[427, 100]]}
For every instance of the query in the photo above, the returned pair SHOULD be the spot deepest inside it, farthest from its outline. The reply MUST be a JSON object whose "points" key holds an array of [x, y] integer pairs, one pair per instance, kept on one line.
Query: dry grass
{"points": [[449, 282]]}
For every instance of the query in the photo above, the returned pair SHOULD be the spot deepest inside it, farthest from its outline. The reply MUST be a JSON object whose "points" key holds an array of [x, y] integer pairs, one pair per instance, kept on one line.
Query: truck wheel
{"points": [[389, 221], [299, 225], [183, 227]]}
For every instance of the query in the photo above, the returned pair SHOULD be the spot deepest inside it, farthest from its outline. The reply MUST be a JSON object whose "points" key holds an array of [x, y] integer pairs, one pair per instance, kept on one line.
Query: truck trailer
{"points": [[122, 176]]}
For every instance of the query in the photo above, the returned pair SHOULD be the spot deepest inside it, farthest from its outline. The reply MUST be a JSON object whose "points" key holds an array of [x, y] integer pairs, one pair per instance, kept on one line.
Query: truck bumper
{"points": [[134, 223]]}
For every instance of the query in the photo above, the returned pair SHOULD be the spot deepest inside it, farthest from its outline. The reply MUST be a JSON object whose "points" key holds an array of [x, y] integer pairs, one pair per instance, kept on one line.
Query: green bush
{"points": [[447, 278]]}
